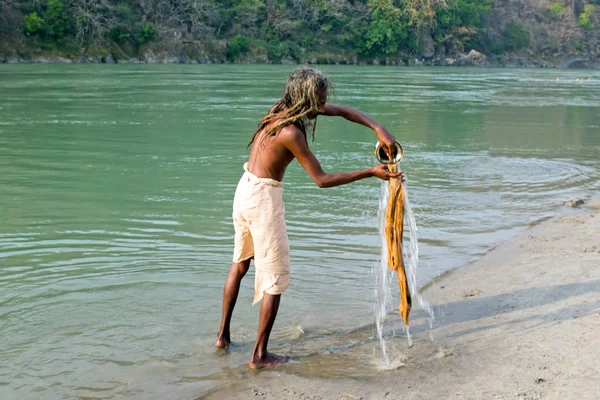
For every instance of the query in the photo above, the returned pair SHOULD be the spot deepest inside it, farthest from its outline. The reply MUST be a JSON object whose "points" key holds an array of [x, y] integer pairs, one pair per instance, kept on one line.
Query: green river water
{"points": [[116, 189]]}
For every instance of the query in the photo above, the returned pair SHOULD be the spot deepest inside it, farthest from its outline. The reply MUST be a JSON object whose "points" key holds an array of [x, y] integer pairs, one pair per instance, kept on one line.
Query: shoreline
{"points": [[504, 325], [471, 59], [447, 274]]}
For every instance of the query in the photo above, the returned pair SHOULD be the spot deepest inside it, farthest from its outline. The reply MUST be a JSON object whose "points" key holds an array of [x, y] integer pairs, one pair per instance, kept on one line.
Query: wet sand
{"points": [[523, 322]]}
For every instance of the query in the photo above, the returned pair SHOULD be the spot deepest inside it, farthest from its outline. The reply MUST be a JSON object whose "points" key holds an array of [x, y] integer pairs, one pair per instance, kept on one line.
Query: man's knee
{"points": [[241, 268]]}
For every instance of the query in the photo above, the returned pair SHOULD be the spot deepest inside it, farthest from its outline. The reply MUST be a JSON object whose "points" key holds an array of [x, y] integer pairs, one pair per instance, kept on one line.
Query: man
{"points": [[258, 210]]}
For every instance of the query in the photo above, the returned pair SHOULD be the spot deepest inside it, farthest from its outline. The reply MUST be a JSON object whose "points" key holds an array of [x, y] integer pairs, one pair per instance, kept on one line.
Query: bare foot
{"points": [[269, 360], [222, 342]]}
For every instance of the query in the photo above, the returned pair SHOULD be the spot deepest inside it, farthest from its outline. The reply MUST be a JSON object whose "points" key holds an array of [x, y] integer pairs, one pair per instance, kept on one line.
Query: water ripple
{"points": [[117, 188]]}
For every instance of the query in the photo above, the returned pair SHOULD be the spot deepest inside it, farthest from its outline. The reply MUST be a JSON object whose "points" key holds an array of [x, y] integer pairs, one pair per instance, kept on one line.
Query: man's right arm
{"points": [[295, 141]]}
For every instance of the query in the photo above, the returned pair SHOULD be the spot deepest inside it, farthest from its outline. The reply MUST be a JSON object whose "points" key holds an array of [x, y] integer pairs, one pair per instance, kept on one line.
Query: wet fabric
{"points": [[394, 229], [261, 232]]}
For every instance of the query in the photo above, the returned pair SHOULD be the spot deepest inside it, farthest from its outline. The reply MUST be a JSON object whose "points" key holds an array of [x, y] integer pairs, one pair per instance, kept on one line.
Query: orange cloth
{"points": [[394, 229]]}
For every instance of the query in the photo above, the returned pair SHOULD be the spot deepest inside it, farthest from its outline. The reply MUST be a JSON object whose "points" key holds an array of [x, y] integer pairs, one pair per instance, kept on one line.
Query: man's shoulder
{"points": [[291, 133]]}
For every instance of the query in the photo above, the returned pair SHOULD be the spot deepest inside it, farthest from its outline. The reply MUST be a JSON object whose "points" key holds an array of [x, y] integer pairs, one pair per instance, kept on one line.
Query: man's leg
{"points": [[230, 295], [261, 358]]}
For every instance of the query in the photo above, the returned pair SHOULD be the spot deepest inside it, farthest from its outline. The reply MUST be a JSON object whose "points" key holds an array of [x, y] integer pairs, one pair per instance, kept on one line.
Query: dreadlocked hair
{"points": [[298, 106]]}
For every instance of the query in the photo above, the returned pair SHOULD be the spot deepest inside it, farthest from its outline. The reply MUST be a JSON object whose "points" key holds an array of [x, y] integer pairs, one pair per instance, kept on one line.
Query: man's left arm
{"points": [[383, 135]]}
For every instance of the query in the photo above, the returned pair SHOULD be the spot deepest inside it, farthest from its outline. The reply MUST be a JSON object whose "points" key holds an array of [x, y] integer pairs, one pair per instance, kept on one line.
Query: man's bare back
{"points": [[269, 158]]}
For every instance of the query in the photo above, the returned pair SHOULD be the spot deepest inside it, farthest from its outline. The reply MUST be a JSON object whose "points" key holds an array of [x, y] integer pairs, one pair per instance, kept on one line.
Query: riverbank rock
{"points": [[149, 57], [512, 61], [51, 60], [439, 56], [472, 59], [574, 203], [178, 54], [131, 61], [194, 52], [412, 61], [13, 58], [427, 45], [578, 62], [62, 60], [87, 59], [204, 59], [493, 62]]}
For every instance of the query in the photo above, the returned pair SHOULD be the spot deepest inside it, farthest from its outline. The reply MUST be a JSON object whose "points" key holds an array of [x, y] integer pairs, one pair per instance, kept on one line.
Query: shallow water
{"points": [[116, 192]]}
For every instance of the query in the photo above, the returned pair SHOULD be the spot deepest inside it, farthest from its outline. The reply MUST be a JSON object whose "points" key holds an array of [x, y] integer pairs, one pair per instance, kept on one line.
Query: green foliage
{"points": [[218, 49], [386, 31], [355, 30], [246, 15], [148, 33], [123, 12], [419, 15], [276, 51], [33, 24], [497, 48], [516, 37], [579, 46], [460, 21], [462, 13], [307, 42], [121, 31], [118, 34], [557, 10], [383, 38], [58, 21], [585, 20], [238, 45], [273, 29]]}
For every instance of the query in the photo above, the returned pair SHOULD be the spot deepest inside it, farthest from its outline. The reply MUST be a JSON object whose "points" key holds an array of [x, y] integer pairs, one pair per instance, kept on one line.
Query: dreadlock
{"points": [[299, 105]]}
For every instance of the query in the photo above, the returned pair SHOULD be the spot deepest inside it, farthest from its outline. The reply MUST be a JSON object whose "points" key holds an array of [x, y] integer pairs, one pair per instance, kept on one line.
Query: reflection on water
{"points": [[116, 192]]}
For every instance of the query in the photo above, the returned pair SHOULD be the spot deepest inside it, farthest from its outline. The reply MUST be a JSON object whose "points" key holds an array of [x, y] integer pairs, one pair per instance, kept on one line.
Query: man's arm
{"points": [[349, 113], [385, 138], [295, 141]]}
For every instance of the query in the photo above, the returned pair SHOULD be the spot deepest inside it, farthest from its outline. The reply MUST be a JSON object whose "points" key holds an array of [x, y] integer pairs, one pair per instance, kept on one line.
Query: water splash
{"points": [[410, 252], [387, 299]]}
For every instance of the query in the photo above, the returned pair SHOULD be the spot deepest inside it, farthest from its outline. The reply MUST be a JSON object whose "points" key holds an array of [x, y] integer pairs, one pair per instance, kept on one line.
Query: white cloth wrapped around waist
{"points": [[258, 214]]}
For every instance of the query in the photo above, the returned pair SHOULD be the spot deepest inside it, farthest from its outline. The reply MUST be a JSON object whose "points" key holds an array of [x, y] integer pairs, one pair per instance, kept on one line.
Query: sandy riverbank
{"points": [[523, 322]]}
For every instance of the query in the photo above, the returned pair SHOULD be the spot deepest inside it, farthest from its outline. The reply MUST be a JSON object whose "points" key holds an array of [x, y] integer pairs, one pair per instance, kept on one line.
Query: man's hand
{"points": [[381, 171], [387, 140]]}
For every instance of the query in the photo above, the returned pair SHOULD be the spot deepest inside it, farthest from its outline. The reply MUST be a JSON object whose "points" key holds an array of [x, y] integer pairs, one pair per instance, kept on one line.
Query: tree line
{"points": [[281, 28]]}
